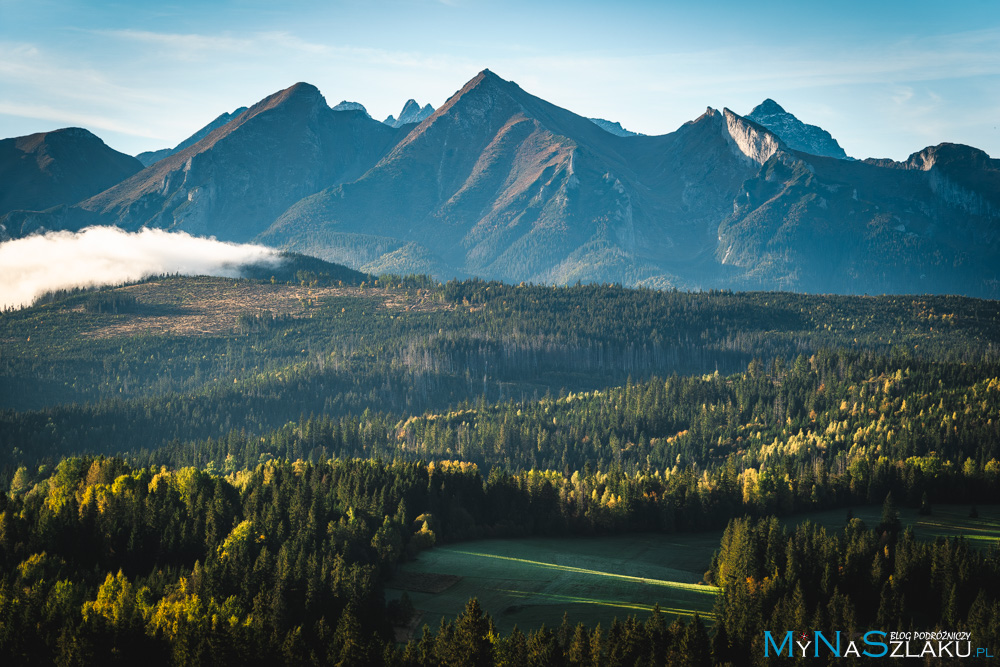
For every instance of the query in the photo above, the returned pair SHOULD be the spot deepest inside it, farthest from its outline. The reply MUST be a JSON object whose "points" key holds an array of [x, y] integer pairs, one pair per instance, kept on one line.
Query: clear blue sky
{"points": [[886, 78]]}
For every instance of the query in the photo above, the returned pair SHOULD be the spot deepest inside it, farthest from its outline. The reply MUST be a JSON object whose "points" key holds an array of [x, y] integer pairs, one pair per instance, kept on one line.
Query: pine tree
{"points": [[890, 515]]}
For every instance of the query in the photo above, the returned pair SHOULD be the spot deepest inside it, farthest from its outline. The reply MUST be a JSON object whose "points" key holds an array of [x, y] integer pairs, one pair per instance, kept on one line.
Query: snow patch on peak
{"points": [[748, 140]]}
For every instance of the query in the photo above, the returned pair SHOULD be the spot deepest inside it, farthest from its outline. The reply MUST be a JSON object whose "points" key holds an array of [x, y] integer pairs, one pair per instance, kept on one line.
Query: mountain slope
{"points": [[151, 157], [502, 184], [810, 223], [60, 167], [236, 180]]}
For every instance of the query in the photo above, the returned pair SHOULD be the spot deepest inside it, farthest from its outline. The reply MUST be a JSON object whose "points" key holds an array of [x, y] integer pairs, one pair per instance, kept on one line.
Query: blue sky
{"points": [[886, 78]]}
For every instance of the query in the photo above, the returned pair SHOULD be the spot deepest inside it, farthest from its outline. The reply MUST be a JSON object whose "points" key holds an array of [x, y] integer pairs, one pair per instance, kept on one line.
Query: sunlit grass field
{"points": [[528, 582], [532, 581]]}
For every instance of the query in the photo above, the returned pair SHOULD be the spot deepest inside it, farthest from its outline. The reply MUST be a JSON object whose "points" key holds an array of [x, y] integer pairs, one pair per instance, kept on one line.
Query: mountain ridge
{"points": [[501, 184]]}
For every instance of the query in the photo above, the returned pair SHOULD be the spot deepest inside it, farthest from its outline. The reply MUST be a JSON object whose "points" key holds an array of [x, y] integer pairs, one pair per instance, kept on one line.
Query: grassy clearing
{"points": [[944, 521], [528, 582]]}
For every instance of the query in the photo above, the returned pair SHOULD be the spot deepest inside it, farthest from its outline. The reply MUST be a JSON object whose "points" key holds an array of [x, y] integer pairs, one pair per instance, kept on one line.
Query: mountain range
{"points": [[499, 183]]}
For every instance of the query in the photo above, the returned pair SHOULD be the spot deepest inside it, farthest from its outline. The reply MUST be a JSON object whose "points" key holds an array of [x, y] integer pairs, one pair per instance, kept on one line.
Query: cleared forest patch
{"points": [[206, 306]]}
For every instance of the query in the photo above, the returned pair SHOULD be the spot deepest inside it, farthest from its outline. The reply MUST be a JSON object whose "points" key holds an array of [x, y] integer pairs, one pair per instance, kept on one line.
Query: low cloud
{"points": [[98, 256]]}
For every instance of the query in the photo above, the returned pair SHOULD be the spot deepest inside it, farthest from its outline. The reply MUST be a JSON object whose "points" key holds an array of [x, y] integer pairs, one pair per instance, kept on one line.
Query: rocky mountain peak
{"points": [[798, 135], [411, 113], [299, 95], [947, 154], [345, 105], [767, 108]]}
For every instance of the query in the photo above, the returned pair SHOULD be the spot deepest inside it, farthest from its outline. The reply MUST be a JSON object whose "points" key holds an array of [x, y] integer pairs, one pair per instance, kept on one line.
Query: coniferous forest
{"points": [[202, 471]]}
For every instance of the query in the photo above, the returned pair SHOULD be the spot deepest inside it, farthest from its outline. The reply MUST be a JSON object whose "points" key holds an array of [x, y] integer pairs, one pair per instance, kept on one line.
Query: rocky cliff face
{"points": [[796, 134], [749, 140]]}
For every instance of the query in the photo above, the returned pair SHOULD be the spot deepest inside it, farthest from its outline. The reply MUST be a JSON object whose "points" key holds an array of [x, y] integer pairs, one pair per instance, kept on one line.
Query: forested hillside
{"points": [[209, 471]]}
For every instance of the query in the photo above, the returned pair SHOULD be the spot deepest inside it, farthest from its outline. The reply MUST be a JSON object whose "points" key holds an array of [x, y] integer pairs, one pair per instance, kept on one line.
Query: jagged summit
{"points": [[411, 113], [766, 108], [798, 135]]}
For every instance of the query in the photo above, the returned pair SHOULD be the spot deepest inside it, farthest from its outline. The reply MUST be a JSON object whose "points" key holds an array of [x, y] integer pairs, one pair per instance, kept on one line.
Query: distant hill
{"points": [[296, 268], [42, 170], [351, 106]]}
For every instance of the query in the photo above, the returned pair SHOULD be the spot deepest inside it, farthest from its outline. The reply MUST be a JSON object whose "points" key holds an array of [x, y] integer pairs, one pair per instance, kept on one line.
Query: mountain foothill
{"points": [[500, 184]]}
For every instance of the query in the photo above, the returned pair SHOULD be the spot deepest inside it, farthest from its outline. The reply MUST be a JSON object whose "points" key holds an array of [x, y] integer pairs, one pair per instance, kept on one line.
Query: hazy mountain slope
{"points": [[151, 157], [60, 167], [236, 180], [810, 223], [500, 183]]}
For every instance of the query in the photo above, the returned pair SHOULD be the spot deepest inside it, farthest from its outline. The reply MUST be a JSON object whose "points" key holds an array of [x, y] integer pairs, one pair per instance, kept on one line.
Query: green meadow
{"points": [[943, 521], [532, 581]]}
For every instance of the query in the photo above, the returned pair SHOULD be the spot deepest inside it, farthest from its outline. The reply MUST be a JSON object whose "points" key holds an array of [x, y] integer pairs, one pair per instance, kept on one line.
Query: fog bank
{"points": [[98, 256]]}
